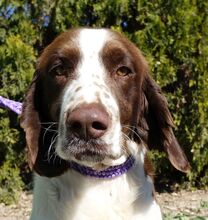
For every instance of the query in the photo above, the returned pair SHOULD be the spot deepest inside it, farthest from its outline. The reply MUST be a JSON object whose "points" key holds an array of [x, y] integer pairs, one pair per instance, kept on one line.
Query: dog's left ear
{"points": [[38, 140], [155, 119]]}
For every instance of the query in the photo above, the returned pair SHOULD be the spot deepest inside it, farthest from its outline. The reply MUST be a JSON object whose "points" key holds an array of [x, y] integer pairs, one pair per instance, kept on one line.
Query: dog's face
{"points": [[94, 86]]}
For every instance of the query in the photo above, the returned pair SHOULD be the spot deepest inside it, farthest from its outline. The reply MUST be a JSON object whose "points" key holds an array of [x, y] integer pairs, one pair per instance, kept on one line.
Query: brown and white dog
{"points": [[93, 104]]}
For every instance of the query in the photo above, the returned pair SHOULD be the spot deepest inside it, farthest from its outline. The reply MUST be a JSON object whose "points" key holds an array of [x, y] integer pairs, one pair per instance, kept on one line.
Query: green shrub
{"points": [[17, 58], [174, 39], [173, 36], [11, 182]]}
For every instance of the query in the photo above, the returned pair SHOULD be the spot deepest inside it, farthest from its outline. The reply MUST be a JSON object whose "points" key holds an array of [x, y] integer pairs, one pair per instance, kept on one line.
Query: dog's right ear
{"points": [[30, 121]]}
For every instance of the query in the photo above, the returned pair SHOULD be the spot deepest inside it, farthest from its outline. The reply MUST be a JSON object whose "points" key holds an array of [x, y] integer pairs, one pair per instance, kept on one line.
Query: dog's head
{"points": [[91, 97]]}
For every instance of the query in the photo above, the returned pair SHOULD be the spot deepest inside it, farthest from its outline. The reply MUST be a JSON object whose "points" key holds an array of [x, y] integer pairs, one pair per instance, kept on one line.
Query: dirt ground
{"points": [[191, 203]]}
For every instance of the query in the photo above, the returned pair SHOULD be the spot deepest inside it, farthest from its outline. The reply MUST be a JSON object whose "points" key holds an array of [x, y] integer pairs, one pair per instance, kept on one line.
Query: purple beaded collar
{"points": [[108, 173]]}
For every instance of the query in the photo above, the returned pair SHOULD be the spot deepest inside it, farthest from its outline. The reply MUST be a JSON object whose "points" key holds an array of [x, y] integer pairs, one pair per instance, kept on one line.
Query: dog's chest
{"points": [[81, 198], [97, 199]]}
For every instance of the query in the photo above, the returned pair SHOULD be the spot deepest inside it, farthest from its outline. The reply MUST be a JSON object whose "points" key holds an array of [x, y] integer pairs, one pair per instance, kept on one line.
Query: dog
{"points": [[90, 115]]}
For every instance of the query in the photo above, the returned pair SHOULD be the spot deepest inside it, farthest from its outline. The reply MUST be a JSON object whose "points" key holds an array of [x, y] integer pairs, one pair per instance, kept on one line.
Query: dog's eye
{"points": [[58, 70], [123, 71]]}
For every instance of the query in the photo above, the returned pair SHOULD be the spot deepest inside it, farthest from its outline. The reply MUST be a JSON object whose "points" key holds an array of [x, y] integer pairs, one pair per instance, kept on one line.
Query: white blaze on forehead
{"points": [[92, 41], [90, 83], [91, 70]]}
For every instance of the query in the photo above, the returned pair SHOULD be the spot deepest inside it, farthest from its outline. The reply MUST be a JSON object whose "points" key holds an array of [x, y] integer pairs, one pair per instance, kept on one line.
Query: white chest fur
{"points": [[72, 196]]}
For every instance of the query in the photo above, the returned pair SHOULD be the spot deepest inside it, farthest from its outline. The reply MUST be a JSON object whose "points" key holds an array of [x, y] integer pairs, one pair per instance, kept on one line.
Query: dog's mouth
{"points": [[92, 150], [90, 156], [94, 153]]}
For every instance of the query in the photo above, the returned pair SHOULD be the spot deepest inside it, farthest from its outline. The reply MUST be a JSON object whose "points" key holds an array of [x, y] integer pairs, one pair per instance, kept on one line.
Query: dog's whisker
{"points": [[55, 156], [46, 123], [53, 140], [46, 130], [132, 129], [126, 136], [50, 129], [51, 156]]}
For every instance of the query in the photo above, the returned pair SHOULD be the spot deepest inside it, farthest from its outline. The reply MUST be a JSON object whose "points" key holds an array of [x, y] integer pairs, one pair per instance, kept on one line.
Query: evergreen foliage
{"points": [[173, 36]]}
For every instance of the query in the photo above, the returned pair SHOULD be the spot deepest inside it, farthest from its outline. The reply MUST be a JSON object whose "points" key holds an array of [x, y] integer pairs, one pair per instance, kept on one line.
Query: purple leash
{"points": [[11, 105]]}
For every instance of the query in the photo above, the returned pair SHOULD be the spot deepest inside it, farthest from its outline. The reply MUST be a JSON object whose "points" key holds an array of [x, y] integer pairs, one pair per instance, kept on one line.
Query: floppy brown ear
{"points": [[38, 141], [157, 125], [30, 122]]}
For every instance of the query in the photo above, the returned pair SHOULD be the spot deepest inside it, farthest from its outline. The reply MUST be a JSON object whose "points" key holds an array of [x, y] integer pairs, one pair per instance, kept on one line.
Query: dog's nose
{"points": [[88, 121]]}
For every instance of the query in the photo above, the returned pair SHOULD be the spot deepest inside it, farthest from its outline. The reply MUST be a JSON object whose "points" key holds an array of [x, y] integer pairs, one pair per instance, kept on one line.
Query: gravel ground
{"points": [[191, 203]]}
